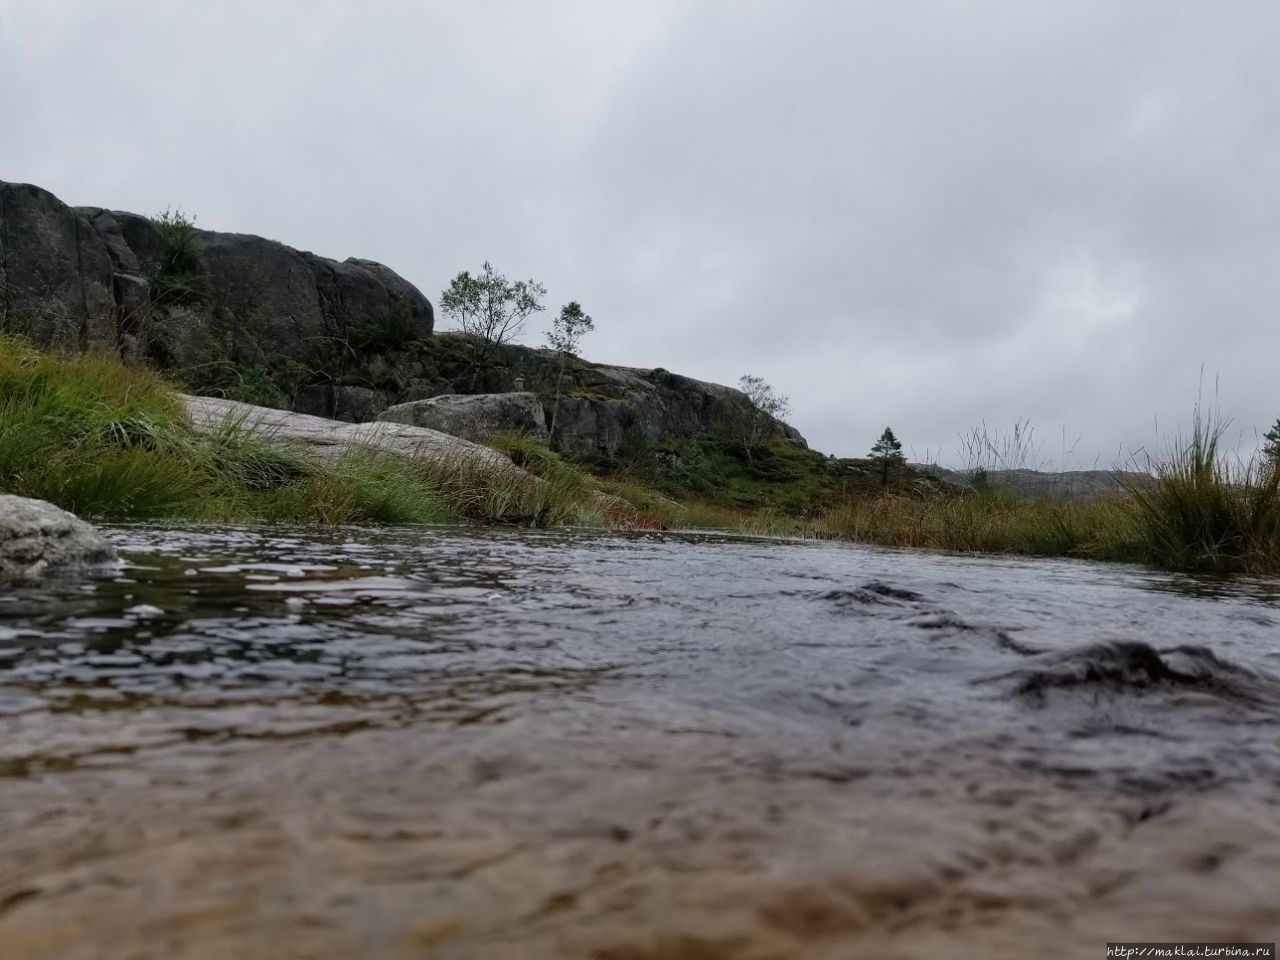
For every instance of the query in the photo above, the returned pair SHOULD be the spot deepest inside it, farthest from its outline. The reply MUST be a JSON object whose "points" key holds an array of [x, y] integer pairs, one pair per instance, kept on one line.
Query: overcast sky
{"points": [[923, 214]]}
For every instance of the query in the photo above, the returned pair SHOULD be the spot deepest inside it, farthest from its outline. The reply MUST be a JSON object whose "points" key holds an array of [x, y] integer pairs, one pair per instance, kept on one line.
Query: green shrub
{"points": [[176, 279]]}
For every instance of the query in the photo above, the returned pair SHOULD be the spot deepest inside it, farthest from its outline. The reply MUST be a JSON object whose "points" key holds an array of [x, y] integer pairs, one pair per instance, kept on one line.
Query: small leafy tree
{"points": [[1271, 449], [887, 452], [490, 308], [769, 406], [567, 331]]}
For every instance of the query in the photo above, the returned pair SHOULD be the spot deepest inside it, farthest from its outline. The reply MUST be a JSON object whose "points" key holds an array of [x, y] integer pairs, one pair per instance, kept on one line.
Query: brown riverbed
{"points": [[265, 743]]}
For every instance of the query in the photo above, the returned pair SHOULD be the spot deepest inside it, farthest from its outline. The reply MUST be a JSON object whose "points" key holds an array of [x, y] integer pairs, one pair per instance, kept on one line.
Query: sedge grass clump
{"points": [[92, 435], [1200, 512], [490, 489], [702, 515], [360, 487], [176, 279], [559, 494], [644, 507]]}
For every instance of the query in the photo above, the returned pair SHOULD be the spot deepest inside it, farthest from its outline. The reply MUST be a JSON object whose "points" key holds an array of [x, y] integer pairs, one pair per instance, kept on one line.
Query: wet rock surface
{"points": [[457, 744], [39, 540]]}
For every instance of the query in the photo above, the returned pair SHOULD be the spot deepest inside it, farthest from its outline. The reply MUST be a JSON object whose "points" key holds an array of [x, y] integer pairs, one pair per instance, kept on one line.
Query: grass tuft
{"points": [[91, 435], [1200, 513], [985, 522], [109, 441]]}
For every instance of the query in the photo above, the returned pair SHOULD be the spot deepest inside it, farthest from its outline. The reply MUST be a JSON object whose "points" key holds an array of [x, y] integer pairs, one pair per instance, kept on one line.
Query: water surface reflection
{"points": [[455, 743]]}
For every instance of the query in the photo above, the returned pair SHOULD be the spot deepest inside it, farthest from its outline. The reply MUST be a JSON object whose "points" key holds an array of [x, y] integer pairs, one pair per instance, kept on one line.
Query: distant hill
{"points": [[1069, 485]]}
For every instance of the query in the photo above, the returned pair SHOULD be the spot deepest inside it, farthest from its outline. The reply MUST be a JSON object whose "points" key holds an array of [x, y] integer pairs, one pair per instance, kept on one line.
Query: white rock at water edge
{"points": [[39, 540]]}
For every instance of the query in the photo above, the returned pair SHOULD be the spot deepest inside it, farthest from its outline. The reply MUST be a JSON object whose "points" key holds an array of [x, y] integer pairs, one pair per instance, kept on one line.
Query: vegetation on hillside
{"points": [[564, 337], [110, 441], [176, 278], [490, 308], [886, 453]]}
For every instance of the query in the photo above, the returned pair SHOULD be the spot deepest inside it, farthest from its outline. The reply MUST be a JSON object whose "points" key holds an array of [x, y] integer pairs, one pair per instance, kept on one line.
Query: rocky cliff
{"points": [[251, 319], [591, 409], [224, 311]]}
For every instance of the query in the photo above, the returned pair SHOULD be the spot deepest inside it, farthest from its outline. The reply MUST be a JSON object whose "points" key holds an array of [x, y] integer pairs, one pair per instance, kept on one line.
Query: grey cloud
{"points": [[924, 214]]}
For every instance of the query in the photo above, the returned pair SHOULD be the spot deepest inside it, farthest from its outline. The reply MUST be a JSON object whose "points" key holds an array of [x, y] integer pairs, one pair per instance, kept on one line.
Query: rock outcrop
{"points": [[230, 311], [478, 417], [38, 540], [249, 319], [601, 409], [57, 279]]}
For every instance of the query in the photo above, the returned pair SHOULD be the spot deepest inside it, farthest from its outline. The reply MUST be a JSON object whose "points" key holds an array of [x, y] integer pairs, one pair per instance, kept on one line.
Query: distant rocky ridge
{"points": [[1035, 484], [251, 319]]}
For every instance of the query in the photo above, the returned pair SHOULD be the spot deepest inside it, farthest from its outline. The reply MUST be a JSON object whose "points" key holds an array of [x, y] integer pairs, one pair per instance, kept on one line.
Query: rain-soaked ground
{"points": [[266, 743]]}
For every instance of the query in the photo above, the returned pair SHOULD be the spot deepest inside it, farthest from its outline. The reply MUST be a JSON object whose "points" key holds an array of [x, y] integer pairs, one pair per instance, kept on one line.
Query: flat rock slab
{"points": [[38, 540], [330, 439]]}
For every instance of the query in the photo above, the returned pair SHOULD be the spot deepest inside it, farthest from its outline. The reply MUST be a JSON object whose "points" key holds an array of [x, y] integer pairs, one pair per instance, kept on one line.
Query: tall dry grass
{"points": [[1204, 511], [985, 522]]}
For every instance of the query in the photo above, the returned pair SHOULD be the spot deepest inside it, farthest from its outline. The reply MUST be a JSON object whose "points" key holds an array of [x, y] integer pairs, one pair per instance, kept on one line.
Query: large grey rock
{"points": [[92, 278], [599, 427], [330, 439], [266, 304], [477, 416], [601, 409], [38, 539], [55, 272]]}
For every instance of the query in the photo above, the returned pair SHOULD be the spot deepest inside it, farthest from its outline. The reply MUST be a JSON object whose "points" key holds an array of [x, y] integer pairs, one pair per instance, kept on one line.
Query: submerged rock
{"points": [[38, 539], [476, 416]]}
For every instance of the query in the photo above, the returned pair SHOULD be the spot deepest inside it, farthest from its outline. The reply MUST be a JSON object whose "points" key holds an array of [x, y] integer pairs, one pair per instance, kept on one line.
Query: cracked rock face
{"points": [[86, 279], [38, 539], [55, 271]]}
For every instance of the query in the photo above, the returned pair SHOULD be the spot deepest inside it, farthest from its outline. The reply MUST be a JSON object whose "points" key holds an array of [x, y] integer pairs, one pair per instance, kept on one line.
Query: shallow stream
{"points": [[267, 742]]}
